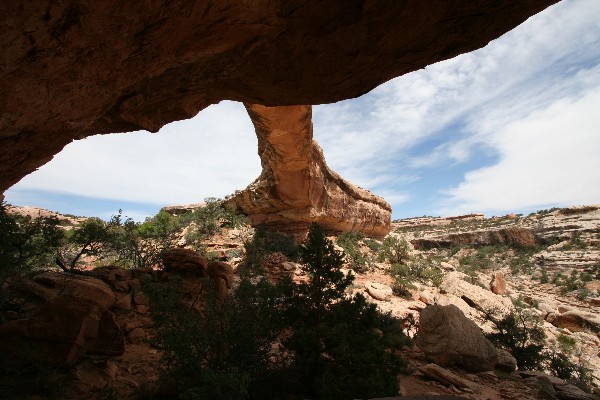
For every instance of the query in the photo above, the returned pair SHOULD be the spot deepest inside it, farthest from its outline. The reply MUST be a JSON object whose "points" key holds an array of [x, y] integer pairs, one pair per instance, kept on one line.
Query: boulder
{"points": [[50, 285], [136, 336], [474, 295], [506, 361], [221, 270], [543, 387], [448, 338], [184, 262], [379, 291], [562, 389], [426, 297]]}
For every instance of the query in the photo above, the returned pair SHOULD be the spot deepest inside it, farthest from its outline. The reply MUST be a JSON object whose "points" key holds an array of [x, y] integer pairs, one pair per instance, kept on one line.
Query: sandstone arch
{"points": [[73, 69], [296, 187]]}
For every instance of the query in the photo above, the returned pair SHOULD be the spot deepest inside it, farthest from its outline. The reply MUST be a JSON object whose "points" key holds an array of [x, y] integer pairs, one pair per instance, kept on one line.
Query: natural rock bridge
{"points": [[79, 68]]}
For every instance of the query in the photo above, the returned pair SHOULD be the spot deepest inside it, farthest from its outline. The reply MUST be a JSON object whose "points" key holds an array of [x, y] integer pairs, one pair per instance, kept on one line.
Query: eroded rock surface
{"points": [[69, 70], [296, 187], [448, 338]]}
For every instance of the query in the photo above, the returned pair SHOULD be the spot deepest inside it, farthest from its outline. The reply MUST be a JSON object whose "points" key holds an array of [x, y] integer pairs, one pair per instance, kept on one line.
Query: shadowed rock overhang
{"points": [[78, 68]]}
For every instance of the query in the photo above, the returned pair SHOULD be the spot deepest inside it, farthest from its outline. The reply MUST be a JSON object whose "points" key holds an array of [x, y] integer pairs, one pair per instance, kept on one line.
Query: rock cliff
{"points": [[69, 70], [296, 187]]}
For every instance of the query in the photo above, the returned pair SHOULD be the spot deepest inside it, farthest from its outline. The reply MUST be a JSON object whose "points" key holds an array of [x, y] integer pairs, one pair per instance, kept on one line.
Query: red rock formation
{"points": [[74, 69], [296, 187]]}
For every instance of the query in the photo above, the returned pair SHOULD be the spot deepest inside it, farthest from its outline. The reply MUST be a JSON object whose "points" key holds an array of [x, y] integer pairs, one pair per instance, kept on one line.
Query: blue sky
{"points": [[512, 127]]}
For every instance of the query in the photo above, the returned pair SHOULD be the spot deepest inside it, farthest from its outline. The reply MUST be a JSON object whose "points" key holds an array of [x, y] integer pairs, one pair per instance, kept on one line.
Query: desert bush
{"points": [[522, 263], [394, 250], [522, 334], [208, 220], [372, 244], [544, 278], [351, 242], [418, 269], [227, 352], [565, 360], [570, 283], [265, 242]]}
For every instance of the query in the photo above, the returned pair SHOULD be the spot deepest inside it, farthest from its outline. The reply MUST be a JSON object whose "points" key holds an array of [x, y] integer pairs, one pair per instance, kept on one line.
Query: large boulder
{"points": [[448, 338], [379, 291], [49, 285], [184, 262], [63, 330], [221, 274], [498, 283], [475, 296]]}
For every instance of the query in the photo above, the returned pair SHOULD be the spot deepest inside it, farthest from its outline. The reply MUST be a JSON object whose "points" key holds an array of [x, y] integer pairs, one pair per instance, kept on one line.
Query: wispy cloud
{"points": [[456, 112], [549, 157]]}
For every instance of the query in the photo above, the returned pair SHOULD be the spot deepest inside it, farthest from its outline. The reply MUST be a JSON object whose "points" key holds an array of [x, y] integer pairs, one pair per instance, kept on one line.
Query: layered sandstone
{"points": [[296, 187], [69, 70]]}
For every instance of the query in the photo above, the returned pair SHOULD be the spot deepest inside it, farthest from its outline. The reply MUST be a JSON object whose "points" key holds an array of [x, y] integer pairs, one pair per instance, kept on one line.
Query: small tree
{"points": [[394, 250], [141, 245], [418, 269], [522, 334], [226, 353], [337, 351], [91, 238]]}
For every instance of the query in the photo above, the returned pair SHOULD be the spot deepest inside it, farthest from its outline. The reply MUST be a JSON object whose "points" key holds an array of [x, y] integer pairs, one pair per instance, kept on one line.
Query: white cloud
{"points": [[549, 157], [212, 154]]}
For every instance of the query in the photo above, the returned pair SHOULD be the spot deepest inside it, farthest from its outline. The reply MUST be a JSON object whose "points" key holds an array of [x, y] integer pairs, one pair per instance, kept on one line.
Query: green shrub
{"points": [[372, 244], [227, 352], [27, 243], [394, 250], [418, 269], [265, 242], [565, 361], [522, 334], [544, 276], [350, 242], [208, 220]]}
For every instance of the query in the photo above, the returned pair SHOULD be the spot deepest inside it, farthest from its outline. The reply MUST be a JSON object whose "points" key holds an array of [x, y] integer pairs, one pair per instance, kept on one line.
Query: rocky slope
{"points": [[74, 69], [485, 273]]}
